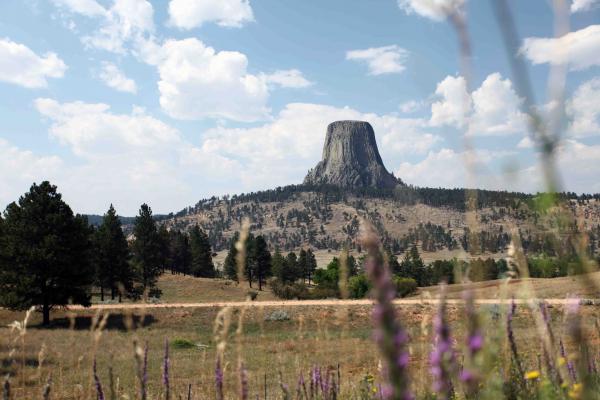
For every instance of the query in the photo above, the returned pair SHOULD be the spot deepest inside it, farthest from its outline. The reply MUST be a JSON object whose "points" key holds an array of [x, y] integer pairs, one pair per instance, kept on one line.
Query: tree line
{"points": [[51, 257]]}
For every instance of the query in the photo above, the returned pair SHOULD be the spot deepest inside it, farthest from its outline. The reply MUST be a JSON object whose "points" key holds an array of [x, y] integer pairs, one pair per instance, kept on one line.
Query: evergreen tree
{"points": [[262, 256], [291, 271], [44, 253], [179, 252], [230, 264], [111, 255], [412, 266], [303, 264], [146, 248], [163, 244], [250, 266], [393, 263], [278, 265], [202, 264], [311, 264]]}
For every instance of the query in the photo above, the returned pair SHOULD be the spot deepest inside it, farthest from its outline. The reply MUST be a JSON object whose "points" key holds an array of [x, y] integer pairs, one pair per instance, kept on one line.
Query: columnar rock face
{"points": [[351, 158]]}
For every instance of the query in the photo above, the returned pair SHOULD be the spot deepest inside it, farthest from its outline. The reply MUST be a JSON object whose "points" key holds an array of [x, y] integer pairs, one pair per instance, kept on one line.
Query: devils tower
{"points": [[351, 159]]}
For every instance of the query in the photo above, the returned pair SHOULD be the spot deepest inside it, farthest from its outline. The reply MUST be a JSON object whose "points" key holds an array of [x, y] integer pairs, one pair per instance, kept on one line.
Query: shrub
{"points": [[288, 291], [182, 344], [324, 293], [278, 315], [358, 286], [405, 286], [251, 294]]}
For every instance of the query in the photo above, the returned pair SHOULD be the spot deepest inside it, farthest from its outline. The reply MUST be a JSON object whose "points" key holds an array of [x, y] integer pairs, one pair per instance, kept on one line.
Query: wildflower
{"points": [[570, 366], [165, 375], [219, 379], [443, 361], [532, 375], [243, 382], [99, 391], [561, 361], [474, 343], [389, 334], [575, 391]]}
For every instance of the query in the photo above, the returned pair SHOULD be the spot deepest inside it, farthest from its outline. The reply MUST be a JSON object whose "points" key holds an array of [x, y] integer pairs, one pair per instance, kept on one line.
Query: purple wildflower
{"points": [[474, 344], [570, 366], [389, 334], [99, 391], [443, 359], [219, 379], [284, 388], [165, 375], [243, 382]]}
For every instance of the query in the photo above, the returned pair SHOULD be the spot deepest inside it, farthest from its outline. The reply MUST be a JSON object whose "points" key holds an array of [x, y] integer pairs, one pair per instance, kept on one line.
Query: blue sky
{"points": [[166, 102]]}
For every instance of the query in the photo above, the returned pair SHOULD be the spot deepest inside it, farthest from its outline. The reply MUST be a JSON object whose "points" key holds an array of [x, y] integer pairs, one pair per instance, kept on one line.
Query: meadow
{"points": [[280, 351]]}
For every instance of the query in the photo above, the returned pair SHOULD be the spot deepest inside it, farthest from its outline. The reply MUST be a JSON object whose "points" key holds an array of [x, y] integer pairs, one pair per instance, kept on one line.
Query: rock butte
{"points": [[351, 159]]}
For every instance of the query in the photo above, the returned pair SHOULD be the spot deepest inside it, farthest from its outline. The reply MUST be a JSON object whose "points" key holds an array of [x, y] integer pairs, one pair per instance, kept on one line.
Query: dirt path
{"points": [[303, 303]]}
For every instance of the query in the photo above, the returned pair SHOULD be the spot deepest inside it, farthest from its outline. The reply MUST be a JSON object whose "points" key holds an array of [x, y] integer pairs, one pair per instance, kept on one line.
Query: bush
{"points": [[324, 293], [288, 291], [182, 344], [278, 315], [252, 295], [405, 286], [358, 286]]}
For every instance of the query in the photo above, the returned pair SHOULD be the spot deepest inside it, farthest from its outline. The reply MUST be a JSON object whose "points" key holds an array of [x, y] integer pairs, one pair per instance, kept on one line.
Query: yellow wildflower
{"points": [[561, 361], [532, 375]]}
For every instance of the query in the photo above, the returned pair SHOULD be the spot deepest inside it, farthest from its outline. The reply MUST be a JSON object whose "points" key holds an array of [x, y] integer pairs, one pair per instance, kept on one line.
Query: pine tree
{"points": [[111, 255], [164, 248], [262, 256], [250, 259], [303, 264], [202, 264], [278, 264], [44, 253], [230, 264], [311, 266], [146, 248], [179, 252]]}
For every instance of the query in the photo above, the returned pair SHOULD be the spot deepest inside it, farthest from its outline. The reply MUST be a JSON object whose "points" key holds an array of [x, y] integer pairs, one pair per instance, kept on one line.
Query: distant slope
{"points": [[327, 218]]}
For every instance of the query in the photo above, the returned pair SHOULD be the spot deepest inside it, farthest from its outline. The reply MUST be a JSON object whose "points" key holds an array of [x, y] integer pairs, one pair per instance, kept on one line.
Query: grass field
{"points": [[317, 335], [324, 336]]}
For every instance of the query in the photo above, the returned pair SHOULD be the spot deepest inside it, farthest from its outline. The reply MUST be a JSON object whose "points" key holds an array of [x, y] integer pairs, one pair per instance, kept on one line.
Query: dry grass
{"points": [[554, 288], [313, 336], [187, 289]]}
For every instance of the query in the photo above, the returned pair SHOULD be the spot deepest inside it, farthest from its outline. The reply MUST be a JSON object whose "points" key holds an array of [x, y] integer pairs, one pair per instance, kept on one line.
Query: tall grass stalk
{"points": [[389, 334]]}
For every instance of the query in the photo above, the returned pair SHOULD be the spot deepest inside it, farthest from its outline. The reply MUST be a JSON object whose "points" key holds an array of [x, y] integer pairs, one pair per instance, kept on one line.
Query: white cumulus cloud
{"points": [[20, 168], [290, 78], [188, 14], [123, 158], [89, 8], [21, 66], [126, 21], [381, 60], [496, 108], [116, 79], [492, 109], [583, 110], [454, 104], [579, 49], [436, 10], [198, 82], [582, 5]]}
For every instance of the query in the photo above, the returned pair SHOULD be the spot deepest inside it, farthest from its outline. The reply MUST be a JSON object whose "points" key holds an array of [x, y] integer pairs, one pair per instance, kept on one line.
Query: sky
{"points": [[166, 102]]}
